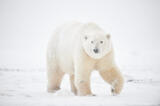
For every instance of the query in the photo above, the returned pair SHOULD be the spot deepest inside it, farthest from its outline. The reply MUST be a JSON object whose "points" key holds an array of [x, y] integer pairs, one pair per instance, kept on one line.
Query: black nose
{"points": [[95, 50]]}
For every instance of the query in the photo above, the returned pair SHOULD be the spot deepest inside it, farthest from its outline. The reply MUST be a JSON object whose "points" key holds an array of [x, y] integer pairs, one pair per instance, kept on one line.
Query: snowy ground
{"points": [[28, 87]]}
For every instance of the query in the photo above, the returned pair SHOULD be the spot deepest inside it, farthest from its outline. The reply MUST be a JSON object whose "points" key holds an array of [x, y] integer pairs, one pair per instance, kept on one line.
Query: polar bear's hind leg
{"points": [[54, 79]]}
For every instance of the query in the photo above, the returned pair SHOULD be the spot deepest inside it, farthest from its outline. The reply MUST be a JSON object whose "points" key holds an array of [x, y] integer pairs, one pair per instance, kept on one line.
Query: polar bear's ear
{"points": [[108, 36]]}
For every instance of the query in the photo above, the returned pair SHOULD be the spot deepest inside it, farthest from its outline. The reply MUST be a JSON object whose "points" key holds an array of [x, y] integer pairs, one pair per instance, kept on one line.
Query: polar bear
{"points": [[78, 49]]}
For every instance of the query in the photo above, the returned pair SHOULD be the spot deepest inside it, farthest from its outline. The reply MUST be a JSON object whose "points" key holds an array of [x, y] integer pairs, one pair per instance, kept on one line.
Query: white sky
{"points": [[25, 26]]}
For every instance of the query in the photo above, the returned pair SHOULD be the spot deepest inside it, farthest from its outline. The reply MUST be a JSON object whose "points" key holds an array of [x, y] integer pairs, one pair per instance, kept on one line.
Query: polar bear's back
{"points": [[68, 35], [62, 42]]}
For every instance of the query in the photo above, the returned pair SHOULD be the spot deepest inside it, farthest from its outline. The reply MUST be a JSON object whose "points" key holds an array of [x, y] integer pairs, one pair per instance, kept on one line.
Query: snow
{"points": [[25, 29], [28, 87]]}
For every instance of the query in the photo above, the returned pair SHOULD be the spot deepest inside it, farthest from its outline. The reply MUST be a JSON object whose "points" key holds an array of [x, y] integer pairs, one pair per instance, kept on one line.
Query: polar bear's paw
{"points": [[52, 90], [114, 92]]}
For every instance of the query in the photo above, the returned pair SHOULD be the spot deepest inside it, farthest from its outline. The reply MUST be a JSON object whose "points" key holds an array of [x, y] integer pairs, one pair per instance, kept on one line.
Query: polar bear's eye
{"points": [[101, 42], [85, 37], [91, 41]]}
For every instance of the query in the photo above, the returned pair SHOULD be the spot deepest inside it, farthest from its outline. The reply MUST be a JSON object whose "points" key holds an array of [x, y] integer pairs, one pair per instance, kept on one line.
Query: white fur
{"points": [[71, 50]]}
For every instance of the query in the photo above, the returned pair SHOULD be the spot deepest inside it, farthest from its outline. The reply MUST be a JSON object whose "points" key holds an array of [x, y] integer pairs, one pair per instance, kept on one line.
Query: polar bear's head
{"points": [[95, 42]]}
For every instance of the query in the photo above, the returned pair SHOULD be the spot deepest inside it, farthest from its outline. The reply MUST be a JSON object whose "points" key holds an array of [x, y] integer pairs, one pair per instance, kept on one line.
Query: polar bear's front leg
{"points": [[73, 88], [115, 78], [83, 85], [82, 81]]}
